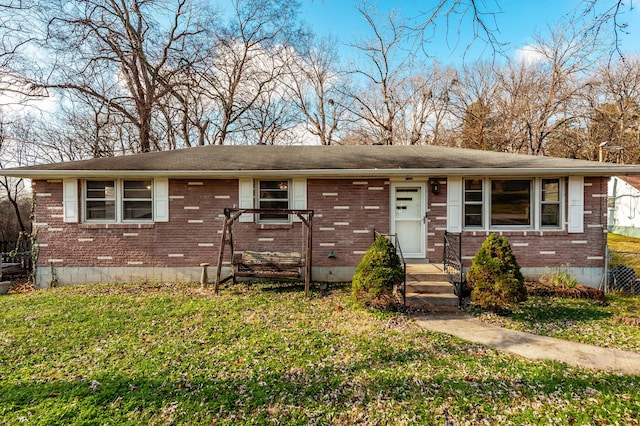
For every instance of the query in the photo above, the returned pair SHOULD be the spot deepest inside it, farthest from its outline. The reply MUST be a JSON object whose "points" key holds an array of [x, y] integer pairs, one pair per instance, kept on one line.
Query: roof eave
{"points": [[579, 171]]}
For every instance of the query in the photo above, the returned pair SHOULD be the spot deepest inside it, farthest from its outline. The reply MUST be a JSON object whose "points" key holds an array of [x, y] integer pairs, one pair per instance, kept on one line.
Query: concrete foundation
{"points": [[47, 276], [591, 277]]}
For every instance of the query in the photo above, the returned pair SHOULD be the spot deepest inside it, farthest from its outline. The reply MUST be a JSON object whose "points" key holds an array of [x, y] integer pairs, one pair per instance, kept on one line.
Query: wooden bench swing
{"points": [[271, 264]]}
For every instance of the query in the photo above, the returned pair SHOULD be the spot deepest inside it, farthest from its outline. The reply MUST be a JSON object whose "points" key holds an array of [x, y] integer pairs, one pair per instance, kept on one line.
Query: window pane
{"points": [[137, 189], [101, 210], [274, 216], [274, 194], [550, 190], [280, 185], [100, 200], [473, 215], [510, 202], [473, 203], [283, 195], [274, 204], [137, 210], [473, 196], [101, 189], [473, 184], [550, 215]]}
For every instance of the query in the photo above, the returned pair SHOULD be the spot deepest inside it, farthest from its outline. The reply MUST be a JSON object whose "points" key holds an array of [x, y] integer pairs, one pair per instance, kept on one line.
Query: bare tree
{"points": [[11, 189], [474, 102], [378, 104], [608, 15], [247, 60], [614, 112], [450, 16], [427, 112], [536, 98], [125, 40], [566, 56], [271, 120], [16, 36], [318, 87]]}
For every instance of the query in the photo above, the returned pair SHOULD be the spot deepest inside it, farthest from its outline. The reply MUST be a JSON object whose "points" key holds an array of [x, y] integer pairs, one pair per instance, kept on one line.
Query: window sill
{"points": [[268, 226], [117, 225]]}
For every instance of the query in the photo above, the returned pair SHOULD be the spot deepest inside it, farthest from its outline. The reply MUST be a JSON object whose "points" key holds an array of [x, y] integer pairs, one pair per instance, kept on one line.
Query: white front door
{"points": [[408, 201]]}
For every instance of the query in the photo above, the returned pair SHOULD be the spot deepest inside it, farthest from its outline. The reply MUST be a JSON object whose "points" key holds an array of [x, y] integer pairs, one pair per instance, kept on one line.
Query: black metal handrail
{"points": [[452, 262], [396, 244]]}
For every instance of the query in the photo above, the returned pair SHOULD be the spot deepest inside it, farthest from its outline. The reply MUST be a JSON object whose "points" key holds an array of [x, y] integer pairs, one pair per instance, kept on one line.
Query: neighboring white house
{"points": [[624, 205]]}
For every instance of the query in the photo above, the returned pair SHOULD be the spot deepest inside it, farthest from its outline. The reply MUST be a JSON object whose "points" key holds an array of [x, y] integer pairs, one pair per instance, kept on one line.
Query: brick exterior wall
{"points": [[191, 237], [346, 212], [535, 249]]}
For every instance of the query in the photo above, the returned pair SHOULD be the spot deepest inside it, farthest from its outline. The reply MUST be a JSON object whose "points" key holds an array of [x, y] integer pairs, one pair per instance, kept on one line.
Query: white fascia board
{"points": [[522, 172]]}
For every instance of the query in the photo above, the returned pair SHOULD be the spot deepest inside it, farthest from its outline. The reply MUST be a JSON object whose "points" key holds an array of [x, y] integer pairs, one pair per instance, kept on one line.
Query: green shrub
{"points": [[495, 276], [377, 273]]}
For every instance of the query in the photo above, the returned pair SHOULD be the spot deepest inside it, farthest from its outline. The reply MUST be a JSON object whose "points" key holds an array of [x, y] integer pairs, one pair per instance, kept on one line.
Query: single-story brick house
{"points": [[624, 205], [157, 216]]}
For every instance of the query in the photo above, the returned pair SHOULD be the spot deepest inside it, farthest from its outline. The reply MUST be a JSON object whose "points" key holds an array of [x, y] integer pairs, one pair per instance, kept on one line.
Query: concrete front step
{"points": [[428, 286], [437, 287], [424, 268], [427, 277], [422, 300]]}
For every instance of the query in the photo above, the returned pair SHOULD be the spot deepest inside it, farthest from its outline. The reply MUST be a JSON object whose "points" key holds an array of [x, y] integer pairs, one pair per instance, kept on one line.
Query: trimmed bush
{"points": [[377, 273], [495, 276]]}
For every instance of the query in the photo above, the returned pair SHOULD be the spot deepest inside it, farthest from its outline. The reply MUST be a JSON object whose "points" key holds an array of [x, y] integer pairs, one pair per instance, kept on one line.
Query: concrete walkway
{"points": [[530, 345]]}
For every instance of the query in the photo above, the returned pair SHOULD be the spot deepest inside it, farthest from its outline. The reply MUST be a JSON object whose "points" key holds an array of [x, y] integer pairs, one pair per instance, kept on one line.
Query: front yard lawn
{"points": [[614, 324], [172, 354]]}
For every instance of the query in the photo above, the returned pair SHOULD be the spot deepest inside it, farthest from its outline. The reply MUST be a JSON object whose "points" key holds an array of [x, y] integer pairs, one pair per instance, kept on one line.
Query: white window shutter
{"points": [[576, 204], [454, 204], [70, 200], [161, 200], [299, 196], [246, 198]]}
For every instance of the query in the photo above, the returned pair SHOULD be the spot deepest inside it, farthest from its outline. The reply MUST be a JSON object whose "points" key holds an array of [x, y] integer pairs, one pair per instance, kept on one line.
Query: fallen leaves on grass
{"points": [[581, 320], [632, 321], [537, 288], [263, 354]]}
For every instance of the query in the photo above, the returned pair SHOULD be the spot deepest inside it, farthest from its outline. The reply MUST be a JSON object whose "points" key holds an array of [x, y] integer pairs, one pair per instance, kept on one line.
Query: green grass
{"points": [[579, 320], [173, 354]]}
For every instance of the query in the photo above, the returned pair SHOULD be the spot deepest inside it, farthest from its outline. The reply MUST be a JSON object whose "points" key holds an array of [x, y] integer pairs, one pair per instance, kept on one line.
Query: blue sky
{"points": [[517, 22]]}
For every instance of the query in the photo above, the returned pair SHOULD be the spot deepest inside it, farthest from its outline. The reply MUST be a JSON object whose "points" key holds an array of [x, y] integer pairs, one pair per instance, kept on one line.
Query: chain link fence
{"points": [[624, 272]]}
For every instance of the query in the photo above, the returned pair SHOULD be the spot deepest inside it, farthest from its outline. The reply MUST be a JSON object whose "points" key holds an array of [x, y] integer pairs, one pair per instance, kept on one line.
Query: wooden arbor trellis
{"points": [[265, 264]]}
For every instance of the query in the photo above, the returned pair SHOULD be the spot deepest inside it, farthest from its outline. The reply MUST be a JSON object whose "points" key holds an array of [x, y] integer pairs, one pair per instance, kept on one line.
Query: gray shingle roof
{"points": [[361, 160]]}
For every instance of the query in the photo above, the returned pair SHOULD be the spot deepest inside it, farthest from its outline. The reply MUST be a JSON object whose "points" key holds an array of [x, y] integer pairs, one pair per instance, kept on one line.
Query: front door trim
{"points": [[421, 254]]}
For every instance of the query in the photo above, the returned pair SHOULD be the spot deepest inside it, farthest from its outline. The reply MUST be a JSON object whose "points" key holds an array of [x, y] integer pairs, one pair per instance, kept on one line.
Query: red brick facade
{"points": [[556, 248], [346, 212]]}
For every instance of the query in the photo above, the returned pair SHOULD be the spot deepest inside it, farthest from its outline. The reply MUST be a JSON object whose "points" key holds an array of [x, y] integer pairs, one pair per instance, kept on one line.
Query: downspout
{"points": [[612, 206]]}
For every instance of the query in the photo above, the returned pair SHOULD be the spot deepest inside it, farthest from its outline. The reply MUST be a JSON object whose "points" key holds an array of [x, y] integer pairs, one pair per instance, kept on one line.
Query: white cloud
{"points": [[529, 55]]}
